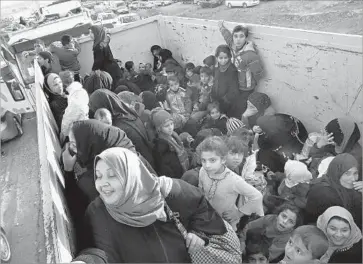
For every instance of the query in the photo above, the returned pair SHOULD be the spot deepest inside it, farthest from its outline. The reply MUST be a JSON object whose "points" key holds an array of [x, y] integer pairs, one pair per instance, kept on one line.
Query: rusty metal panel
{"points": [[316, 76]]}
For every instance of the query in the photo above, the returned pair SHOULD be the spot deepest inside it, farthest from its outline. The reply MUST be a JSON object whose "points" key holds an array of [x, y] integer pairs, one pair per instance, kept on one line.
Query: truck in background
{"points": [[306, 68]]}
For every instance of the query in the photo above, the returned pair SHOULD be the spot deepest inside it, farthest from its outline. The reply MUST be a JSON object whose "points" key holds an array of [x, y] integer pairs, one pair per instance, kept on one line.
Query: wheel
{"points": [[229, 5], [244, 5], [4, 247]]}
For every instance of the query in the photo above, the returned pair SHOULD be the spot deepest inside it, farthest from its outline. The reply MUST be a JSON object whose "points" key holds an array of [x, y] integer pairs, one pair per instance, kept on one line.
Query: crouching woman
{"points": [[129, 222]]}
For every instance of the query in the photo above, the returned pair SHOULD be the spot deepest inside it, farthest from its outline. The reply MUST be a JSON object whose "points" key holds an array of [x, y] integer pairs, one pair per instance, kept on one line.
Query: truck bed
{"points": [[20, 195]]}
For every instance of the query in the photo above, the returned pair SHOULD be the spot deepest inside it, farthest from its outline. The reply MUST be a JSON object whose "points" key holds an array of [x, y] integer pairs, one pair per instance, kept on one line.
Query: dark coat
{"points": [[352, 255], [219, 124], [166, 160], [160, 242], [58, 105], [225, 90]]}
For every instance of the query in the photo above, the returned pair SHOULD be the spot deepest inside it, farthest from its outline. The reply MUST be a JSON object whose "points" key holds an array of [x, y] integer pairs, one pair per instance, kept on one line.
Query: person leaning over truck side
{"points": [[245, 58], [68, 54], [102, 54]]}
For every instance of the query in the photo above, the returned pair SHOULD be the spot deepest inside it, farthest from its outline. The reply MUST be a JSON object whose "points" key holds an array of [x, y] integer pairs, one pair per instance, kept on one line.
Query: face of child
{"points": [[174, 86], [286, 220], [168, 128], [223, 59], [38, 47], [142, 67], [42, 61], [211, 162], [204, 78], [215, 114], [170, 74], [258, 258], [107, 183], [148, 67], [239, 39], [189, 73], [349, 177], [338, 232], [296, 251], [234, 160]]}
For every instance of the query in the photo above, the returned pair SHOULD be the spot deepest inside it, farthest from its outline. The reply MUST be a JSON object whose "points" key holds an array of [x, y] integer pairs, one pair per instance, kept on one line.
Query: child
{"points": [[148, 68], [170, 156], [189, 67], [141, 67], [193, 88], [68, 55], [225, 91], [221, 186], [306, 245], [257, 249], [233, 124], [177, 102], [130, 72], [237, 150], [210, 62], [103, 115], [216, 119], [296, 184], [67, 78]]}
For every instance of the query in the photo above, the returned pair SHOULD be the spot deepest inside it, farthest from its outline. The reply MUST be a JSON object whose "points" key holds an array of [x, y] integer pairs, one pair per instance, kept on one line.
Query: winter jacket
{"points": [[179, 102]]}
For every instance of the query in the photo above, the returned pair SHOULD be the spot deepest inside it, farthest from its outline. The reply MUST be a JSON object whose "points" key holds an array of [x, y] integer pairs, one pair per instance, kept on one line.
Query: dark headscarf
{"points": [[149, 100], [98, 80], [165, 54], [99, 33], [106, 99], [46, 55], [346, 134], [260, 100], [337, 167], [93, 137], [274, 161]]}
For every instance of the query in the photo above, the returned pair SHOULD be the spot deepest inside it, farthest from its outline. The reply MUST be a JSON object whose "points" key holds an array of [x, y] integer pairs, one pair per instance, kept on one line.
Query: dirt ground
{"points": [[20, 196], [330, 16]]}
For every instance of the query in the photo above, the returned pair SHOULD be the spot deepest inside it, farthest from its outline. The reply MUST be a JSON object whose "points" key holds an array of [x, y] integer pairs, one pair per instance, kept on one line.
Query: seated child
{"points": [[307, 244], [189, 67], [215, 119], [237, 150], [103, 115], [296, 184], [222, 187], [210, 62], [148, 68], [170, 156], [257, 249], [130, 72], [177, 102], [193, 88], [141, 67]]}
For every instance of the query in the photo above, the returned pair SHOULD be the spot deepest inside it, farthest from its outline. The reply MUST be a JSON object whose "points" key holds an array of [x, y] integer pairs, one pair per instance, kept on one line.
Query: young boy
{"points": [[216, 119], [210, 62], [68, 55], [257, 249], [130, 72], [244, 57], [177, 102], [237, 150], [306, 245], [221, 186], [103, 115], [206, 85], [189, 67]]}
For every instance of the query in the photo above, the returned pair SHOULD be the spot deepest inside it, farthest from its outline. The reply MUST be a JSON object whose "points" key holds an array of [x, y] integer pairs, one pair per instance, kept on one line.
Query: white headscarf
{"points": [[296, 172]]}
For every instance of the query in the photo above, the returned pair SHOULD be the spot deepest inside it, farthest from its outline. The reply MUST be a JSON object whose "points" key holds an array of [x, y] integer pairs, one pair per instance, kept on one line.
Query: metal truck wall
{"points": [[59, 237], [128, 42], [315, 76]]}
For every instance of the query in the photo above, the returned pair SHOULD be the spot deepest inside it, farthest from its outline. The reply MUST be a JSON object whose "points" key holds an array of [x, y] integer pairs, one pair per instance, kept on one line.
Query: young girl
{"points": [[225, 89], [215, 119], [221, 186], [170, 156]]}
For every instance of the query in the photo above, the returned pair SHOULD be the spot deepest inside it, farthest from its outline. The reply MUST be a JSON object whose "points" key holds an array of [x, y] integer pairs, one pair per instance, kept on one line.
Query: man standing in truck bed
{"points": [[68, 55]]}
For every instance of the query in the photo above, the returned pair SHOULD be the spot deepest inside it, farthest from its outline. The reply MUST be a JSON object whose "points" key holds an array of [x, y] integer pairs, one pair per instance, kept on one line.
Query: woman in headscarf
{"points": [[258, 104], [97, 80], [341, 135], [46, 62], [276, 229], [339, 187], [282, 133], [102, 54], [53, 88], [345, 237], [149, 100], [76, 110], [167, 60], [125, 118], [129, 222]]}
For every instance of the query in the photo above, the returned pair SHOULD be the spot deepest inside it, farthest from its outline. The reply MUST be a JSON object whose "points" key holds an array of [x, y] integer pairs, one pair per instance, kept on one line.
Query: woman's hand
{"points": [[232, 215], [68, 159], [194, 242], [325, 139], [257, 129], [358, 186]]}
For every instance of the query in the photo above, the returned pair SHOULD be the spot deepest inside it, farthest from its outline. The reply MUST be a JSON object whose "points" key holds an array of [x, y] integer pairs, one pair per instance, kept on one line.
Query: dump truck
{"points": [[315, 76]]}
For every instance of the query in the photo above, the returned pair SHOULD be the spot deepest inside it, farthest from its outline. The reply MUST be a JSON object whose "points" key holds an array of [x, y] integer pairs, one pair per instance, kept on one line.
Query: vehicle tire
{"points": [[229, 5], [244, 5], [4, 247]]}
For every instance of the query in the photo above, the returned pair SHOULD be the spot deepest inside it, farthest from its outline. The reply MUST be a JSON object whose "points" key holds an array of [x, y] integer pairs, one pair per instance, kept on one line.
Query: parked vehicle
{"points": [[119, 7], [128, 18], [210, 3], [61, 8], [241, 3], [108, 19], [4, 247]]}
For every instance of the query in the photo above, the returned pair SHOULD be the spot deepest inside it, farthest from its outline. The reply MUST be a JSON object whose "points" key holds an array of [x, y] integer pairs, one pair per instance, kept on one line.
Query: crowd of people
{"points": [[163, 161]]}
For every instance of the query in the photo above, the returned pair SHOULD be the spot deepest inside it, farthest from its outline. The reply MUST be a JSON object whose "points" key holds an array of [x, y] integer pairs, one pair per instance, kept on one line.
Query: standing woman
{"points": [[102, 54], [125, 118]]}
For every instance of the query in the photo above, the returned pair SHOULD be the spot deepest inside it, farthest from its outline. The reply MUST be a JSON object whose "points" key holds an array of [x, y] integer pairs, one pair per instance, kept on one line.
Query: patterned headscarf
{"points": [[260, 100]]}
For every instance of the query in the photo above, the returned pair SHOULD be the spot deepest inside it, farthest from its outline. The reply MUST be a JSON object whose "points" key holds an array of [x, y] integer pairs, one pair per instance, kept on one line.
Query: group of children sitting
{"points": [[202, 123]]}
